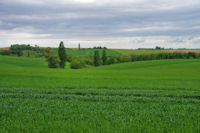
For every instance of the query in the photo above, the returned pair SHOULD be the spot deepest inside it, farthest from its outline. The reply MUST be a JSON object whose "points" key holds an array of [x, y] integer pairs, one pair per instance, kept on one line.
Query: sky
{"points": [[127, 24]]}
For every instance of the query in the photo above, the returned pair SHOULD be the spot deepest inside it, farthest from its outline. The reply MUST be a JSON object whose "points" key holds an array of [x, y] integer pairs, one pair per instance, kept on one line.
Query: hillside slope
{"points": [[33, 72]]}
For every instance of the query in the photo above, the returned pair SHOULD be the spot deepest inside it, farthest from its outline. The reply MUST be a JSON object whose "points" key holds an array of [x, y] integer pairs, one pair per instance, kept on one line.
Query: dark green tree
{"points": [[104, 57], [96, 58], [62, 55], [79, 46]]}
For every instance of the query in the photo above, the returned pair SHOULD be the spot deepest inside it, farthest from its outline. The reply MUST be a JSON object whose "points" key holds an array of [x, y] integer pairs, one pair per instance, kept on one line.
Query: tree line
{"points": [[24, 50]]}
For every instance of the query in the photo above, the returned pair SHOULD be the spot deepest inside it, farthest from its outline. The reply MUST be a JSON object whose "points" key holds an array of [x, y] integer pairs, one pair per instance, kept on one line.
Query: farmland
{"points": [[148, 51], [86, 52], [144, 96]]}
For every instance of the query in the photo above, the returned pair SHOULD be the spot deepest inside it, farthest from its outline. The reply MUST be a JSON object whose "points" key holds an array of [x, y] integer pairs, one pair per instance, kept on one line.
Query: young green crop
{"points": [[157, 96]]}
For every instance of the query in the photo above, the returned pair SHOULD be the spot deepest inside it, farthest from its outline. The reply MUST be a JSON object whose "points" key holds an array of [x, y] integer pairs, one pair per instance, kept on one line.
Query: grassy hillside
{"points": [[86, 52], [147, 96], [31, 72]]}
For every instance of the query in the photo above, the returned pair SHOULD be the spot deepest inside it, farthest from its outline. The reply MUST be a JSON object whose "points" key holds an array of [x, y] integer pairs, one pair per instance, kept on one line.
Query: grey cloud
{"points": [[86, 21]]}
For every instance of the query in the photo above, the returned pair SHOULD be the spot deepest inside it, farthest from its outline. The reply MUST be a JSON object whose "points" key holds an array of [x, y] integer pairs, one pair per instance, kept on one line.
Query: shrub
{"points": [[192, 55], [111, 60], [89, 61], [52, 58], [77, 64], [5, 52], [125, 59]]}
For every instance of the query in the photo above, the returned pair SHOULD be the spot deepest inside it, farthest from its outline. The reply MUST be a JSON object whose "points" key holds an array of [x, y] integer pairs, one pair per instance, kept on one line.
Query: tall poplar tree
{"points": [[104, 57], [62, 55], [96, 58]]}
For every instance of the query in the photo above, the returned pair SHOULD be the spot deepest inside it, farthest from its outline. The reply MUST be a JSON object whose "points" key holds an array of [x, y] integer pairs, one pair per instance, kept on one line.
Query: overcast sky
{"points": [[111, 23]]}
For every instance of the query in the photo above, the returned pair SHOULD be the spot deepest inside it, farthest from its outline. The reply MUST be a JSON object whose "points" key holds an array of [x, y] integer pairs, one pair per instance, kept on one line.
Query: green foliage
{"points": [[111, 60], [125, 59], [96, 58], [18, 50], [62, 55], [30, 53], [52, 58], [5, 52], [158, 48], [77, 64], [79, 46], [104, 57]]}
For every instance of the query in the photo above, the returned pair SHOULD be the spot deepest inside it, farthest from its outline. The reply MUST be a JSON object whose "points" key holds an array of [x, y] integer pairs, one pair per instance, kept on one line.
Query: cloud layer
{"points": [[111, 23]]}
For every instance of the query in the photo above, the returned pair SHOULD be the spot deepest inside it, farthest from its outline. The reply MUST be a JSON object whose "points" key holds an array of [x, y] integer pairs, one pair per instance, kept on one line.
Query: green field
{"points": [[86, 52], [145, 96]]}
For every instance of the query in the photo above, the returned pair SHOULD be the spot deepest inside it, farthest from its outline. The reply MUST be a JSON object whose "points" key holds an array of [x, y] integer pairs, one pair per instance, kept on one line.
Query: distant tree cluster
{"points": [[56, 60], [159, 48], [156, 48], [99, 47], [156, 56], [24, 50]]}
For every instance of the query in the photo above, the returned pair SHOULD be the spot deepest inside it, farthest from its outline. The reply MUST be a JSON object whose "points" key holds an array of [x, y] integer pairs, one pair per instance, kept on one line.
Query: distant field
{"points": [[130, 51], [88, 52], [4, 48], [147, 96]]}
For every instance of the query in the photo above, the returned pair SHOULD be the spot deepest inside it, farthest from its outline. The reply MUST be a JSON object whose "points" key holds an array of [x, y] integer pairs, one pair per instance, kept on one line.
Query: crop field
{"points": [[139, 52], [160, 96]]}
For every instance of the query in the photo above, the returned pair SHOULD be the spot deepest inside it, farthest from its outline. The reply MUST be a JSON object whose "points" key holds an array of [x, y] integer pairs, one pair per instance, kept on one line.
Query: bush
{"points": [[5, 52], [70, 57], [192, 55], [111, 60], [125, 59], [77, 64], [28, 53], [52, 58], [89, 60]]}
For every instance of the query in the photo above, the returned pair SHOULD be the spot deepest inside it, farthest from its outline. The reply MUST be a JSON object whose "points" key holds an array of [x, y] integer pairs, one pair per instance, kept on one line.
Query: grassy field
{"points": [[147, 96], [88, 52], [119, 52]]}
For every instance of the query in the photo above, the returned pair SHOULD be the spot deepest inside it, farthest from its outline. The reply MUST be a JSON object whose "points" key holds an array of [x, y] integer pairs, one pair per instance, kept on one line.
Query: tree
{"points": [[52, 58], [62, 55], [96, 58], [104, 57], [79, 46]]}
